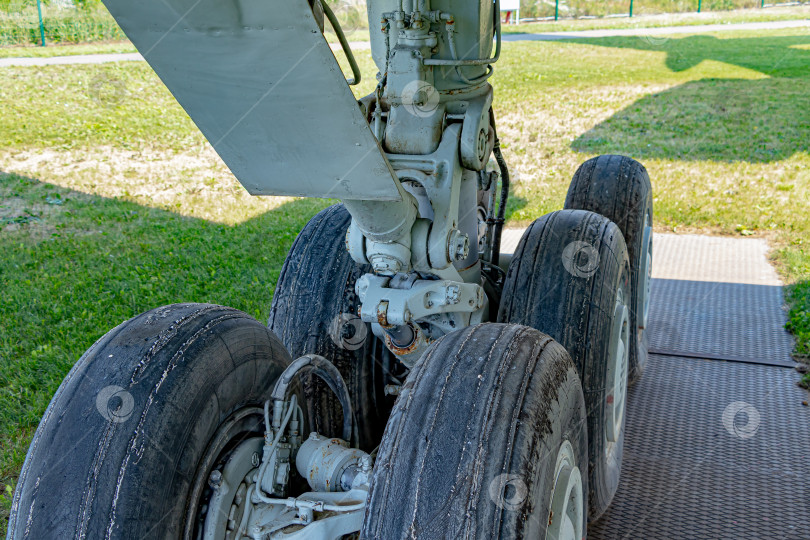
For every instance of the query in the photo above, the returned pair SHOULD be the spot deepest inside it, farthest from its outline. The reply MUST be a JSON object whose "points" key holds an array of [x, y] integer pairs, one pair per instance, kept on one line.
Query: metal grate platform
{"points": [[717, 298], [686, 476], [713, 449], [731, 321], [712, 297], [717, 259]]}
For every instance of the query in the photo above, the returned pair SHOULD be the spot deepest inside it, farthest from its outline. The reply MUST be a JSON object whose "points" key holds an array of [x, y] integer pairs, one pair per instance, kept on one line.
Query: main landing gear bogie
{"points": [[173, 425]]}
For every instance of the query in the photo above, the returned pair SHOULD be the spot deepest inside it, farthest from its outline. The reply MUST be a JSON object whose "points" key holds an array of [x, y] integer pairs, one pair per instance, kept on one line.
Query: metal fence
{"points": [[38, 22], [41, 22], [573, 9]]}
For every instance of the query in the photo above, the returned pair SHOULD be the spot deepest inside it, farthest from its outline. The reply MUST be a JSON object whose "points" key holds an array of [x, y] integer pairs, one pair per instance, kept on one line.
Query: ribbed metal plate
{"points": [[720, 259], [689, 474], [730, 320], [510, 239], [713, 449], [717, 297], [712, 297]]}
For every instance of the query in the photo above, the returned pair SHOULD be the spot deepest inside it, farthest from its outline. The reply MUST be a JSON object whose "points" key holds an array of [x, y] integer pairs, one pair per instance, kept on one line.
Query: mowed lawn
{"points": [[112, 203]]}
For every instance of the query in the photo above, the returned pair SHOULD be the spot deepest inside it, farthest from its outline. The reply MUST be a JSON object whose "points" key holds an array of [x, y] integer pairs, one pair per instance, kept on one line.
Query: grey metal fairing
{"points": [[262, 84]]}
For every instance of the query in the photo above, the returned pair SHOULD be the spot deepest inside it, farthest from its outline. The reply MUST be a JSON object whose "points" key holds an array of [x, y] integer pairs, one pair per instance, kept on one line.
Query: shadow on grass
{"points": [[775, 56], [76, 265], [514, 205], [753, 120]]}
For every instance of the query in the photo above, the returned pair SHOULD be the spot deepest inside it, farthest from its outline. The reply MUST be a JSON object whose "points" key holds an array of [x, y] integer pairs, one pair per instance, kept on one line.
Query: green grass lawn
{"points": [[356, 29], [112, 203]]}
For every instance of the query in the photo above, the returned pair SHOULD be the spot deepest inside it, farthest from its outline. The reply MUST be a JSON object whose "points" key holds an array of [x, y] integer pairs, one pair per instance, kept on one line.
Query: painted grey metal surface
{"points": [[262, 84], [474, 22]]}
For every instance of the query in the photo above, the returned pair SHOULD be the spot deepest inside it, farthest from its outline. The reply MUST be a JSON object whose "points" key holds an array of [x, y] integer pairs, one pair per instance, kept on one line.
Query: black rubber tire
{"points": [[120, 445], [316, 286], [618, 187], [577, 311], [482, 402]]}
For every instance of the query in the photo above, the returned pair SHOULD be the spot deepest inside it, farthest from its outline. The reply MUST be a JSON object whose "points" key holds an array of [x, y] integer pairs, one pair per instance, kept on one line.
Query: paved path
{"points": [[361, 45], [74, 59], [664, 30], [714, 422]]}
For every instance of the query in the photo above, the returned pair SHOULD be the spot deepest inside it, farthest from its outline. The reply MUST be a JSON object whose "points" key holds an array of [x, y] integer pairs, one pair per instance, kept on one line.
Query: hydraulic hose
{"points": [[268, 449], [343, 43], [323, 368], [498, 229]]}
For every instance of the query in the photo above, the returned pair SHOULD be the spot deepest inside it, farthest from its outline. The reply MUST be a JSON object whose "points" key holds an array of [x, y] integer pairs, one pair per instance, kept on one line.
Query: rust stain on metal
{"points": [[408, 349], [382, 313]]}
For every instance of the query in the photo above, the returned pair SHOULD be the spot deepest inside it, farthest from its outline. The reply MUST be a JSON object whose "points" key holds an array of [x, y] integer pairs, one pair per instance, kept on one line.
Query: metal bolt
{"points": [[452, 293], [385, 265], [483, 141], [458, 246], [215, 479]]}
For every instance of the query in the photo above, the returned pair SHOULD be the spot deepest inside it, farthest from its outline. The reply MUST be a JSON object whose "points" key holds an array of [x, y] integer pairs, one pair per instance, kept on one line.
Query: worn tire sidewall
{"points": [[571, 318], [524, 437], [316, 285], [594, 187], [86, 475]]}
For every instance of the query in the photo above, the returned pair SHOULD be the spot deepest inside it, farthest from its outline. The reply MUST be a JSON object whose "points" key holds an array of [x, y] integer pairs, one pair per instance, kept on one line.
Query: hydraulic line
{"points": [[479, 61], [323, 368], [498, 222], [343, 43], [282, 428]]}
